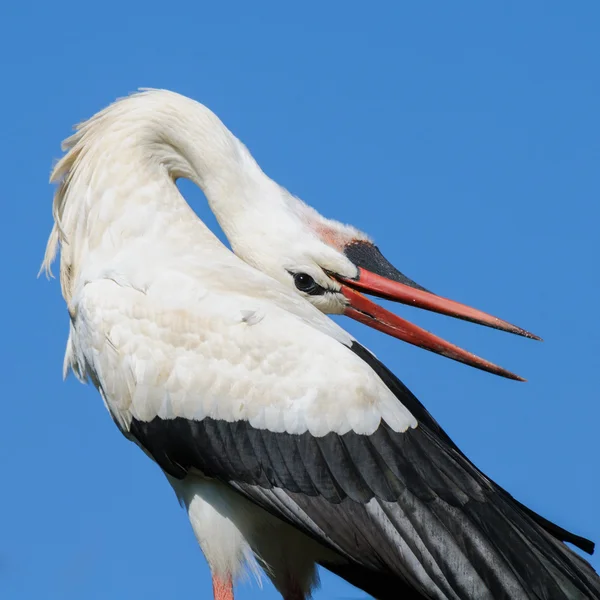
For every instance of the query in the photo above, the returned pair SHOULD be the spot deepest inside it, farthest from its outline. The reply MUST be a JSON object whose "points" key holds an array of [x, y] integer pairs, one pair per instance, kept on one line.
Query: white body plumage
{"points": [[168, 323], [286, 440]]}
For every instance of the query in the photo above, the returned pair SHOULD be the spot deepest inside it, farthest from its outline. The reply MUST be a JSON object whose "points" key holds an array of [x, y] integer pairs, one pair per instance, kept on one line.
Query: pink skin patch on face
{"points": [[333, 238]]}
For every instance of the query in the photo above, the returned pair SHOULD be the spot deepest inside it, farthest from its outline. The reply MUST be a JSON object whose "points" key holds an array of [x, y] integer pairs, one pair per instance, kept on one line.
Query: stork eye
{"points": [[305, 283]]}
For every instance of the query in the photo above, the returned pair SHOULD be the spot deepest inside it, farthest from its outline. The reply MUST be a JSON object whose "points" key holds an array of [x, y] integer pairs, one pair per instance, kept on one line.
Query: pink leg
{"points": [[222, 588]]}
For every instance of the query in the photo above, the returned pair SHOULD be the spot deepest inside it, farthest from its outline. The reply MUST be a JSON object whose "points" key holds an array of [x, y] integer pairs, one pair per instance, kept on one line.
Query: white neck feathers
{"points": [[120, 167]]}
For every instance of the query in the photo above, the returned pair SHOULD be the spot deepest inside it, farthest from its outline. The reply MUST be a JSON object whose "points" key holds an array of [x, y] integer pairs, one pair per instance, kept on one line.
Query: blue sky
{"points": [[464, 138]]}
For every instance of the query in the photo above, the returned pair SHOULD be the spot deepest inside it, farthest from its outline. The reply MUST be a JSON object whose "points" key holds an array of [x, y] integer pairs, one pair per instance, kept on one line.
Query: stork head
{"points": [[334, 265]]}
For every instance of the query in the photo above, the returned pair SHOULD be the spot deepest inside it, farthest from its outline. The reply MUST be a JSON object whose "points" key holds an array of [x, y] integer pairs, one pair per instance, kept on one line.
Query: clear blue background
{"points": [[464, 137]]}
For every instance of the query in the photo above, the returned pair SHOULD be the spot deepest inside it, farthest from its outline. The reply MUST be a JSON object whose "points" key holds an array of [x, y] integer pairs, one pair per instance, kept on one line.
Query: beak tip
{"points": [[530, 335], [495, 370], [508, 375], [510, 328]]}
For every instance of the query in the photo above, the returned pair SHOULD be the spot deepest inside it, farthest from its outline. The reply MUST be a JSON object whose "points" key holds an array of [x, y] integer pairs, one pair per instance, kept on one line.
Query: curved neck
{"points": [[191, 142], [117, 180]]}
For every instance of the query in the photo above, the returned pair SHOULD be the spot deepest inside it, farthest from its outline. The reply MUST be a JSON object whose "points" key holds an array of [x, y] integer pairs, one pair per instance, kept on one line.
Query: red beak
{"points": [[364, 310]]}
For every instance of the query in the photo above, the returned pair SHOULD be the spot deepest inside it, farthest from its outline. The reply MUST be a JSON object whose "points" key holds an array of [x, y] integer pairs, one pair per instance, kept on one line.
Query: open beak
{"points": [[393, 285]]}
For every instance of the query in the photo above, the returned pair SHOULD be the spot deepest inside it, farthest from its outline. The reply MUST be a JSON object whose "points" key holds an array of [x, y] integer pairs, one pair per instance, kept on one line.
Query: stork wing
{"points": [[316, 431]]}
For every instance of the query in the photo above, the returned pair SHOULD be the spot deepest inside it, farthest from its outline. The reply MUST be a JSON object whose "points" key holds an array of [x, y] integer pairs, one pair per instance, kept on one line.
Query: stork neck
{"points": [[191, 142], [118, 181]]}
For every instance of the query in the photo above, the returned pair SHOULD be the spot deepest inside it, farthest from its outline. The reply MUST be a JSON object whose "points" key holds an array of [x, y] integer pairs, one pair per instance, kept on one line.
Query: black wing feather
{"points": [[407, 509], [423, 416]]}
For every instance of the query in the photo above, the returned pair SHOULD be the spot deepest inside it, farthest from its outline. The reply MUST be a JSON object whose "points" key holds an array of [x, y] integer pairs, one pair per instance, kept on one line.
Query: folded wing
{"points": [[316, 431]]}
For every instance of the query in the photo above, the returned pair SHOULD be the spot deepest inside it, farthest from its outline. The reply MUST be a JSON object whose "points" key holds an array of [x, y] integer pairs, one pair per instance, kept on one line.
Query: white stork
{"points": [[289, 444]]}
